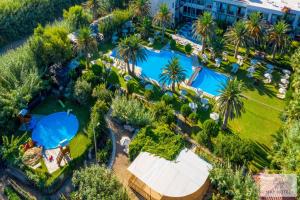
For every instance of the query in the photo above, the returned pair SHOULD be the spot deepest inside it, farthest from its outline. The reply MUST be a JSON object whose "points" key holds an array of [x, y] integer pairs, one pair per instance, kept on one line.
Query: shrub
{"points": [[104, 153], [91, 77], [11, 194], [168, 99], [113, 78], [96, 182], [160, 141], [130, 86], [148, 94], [77, 17], [235, 184], [131, 111], [101, 93], [173, 44], [210, 128], [163, 113], [185, 110], [82, 91], [203, 138], [236, 150], [188, 48], [193, 117]]}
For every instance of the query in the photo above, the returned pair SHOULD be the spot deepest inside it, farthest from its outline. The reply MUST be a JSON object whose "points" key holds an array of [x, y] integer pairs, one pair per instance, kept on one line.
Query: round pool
{"points": [[53, 130]]}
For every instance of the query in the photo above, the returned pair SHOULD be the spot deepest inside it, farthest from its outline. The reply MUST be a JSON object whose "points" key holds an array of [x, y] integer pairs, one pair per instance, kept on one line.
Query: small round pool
{"points": [[53, 130]]}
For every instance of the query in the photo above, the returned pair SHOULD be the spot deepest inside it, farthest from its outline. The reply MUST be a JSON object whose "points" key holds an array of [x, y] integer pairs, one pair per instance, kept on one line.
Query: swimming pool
{"points": [[210, 81], [54, 129], [152, 67]]}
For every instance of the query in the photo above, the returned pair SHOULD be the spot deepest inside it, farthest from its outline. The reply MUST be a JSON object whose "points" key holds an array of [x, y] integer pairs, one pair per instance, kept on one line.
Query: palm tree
{"points": [[173, 73], [137, 52], [145, 28], [278, 37], [94, 5], [163, 18], [237, 35], [255, 27], [131, 50], [230, 102], [204, 26], [140, 8], [217, 44], [123, 50], [86, 44]]}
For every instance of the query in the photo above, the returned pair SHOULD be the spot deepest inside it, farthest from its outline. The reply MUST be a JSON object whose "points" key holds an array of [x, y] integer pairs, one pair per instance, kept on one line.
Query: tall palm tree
{"points": [[217, 44], [140, 8], [163, 18], [204, 26], [123, 50], [173, 73], [278, 37], [230, 102], [255, 27], [137, 52], [237, 35], [131, 50], [86, 44]]}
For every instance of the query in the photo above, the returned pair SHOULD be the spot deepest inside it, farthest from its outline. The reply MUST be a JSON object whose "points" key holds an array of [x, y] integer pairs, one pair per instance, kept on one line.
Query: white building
{"points": [[231, 10]]}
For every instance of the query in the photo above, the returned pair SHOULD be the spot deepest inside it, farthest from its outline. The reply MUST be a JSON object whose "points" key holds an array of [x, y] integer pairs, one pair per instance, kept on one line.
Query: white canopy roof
{"points": [[177, 178]]}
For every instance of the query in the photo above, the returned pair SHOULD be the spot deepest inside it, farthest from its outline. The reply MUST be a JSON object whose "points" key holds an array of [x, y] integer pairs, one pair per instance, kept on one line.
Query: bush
{"points": [[131, 111], [236, 150], [193, 117], [82, 91], [77, 17], [11, 194], [148, 94], [185, 110], [188, 48], [91, 77], [163, 113], [101, 93], [173, 44], [210, 128], [104, 153], [130, 86], [168, 99], [203, 139], [160, 141]]}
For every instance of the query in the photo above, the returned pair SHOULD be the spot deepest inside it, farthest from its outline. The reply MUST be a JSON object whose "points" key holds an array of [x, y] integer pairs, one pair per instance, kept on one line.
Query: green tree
{"points": [[255, 27], [140, 8], [163, 113], [278, 37], [237, 35], [204, 26], [82, 91], [230, 103], [173, 73], [185, 110], [145, 28], [87, 44], [163, 18], [101, 93], [217, 44], [76, 17], [94, 5], [96, 182], [124, 52]]}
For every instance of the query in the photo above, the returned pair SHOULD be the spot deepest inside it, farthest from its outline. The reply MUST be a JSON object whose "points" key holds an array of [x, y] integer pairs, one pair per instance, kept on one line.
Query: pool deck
{"points": [[52, 166]]}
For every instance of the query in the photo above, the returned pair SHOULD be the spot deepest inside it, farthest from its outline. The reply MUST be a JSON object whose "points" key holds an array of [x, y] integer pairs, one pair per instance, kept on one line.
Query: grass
{"points": [[80, 142]]}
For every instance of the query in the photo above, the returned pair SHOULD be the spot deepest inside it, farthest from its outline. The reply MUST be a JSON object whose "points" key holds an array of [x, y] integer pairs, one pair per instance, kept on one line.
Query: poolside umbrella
{"points": [[286, 71], [282, 90], [269, 66], [193, 106], [253, 61], [284, 81], [214, 116], [149, 87], [268, 75], [125, 140], [204, 101]]}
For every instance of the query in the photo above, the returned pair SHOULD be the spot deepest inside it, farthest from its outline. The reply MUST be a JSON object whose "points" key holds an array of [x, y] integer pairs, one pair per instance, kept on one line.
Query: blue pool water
{"points": [[152, 67], [210, 81], [52, 129]]}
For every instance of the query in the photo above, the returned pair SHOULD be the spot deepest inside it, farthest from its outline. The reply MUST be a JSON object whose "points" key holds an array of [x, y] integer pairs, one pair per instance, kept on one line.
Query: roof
{"points": [[180, 177]]}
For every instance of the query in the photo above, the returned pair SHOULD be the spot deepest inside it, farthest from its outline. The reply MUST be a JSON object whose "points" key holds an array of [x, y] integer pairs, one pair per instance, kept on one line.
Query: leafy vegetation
{"points": [[160, 141], [96, 182]]}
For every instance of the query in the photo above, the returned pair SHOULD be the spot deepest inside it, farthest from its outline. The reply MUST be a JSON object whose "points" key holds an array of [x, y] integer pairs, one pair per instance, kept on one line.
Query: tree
{"points": [[217, 44], [204, 26], [96, 182], [140, 8], [101, 93], [145, 28], [131, 50], [255, 27], [173, 73], [87, 44], [278, 37], [76, 17], [163, 18], [94, 5], [163, 112], [82, 91], [237, 35], [185, 110], [230, 103], [210, 128]]}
